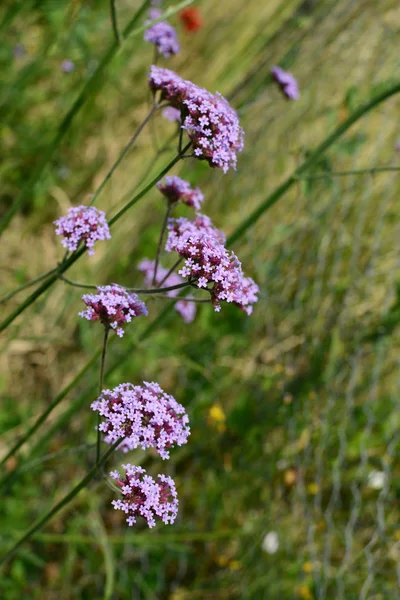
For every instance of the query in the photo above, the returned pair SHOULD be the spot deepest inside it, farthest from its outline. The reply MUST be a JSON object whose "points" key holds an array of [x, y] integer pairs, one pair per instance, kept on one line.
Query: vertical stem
{"points": [[160, 241], [39, 524], [172, 269], [114, 22], [103, 360], [124, 152], [180, 138], [26, 285]]}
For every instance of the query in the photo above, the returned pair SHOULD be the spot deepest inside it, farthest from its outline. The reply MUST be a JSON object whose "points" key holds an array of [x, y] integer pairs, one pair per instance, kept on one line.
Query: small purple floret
{"points": [[162, 35], [287, 83], [142, 495], [176, 189], [144, 415], [211, 123], [85, 224], [113, 306]]}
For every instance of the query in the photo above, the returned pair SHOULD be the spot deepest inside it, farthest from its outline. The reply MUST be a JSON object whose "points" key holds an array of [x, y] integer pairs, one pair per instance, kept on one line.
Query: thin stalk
{"points": [[123, 153], [39, 524], [102, 364], [148, 187], [180, 138], [26, 285], [172, 269], [310, 161], [77, 254], [52, 455], [367, 171], [114, 22], [41, 419], [135, 290], [161, 239]]}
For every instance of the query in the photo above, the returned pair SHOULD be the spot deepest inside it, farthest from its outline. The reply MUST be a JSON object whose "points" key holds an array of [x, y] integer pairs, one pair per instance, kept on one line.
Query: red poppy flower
{"points": [[191, 19]]}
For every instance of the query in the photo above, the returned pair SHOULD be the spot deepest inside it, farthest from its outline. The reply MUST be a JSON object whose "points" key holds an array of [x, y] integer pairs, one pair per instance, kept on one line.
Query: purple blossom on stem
{"points": [[210, 264], [162, 35], [171, 114], [113, 306], [287, 83], [67, 66], [82, 224], [186, 309], [211, 123], [176, 189], [145, 416], [142, 495]]}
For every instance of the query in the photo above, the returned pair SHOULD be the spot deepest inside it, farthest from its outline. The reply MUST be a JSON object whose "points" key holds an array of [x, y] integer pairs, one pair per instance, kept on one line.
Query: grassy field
{"points": [[294, 411]]}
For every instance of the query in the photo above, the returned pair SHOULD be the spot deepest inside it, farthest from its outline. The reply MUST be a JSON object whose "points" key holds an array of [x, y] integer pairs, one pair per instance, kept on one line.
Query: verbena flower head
{"points": [[209, 263], [211, 123], [85, 224], [286, 82], [191, 18], [142, 495], [144, 415], [186, 309], [67, 66], [171, 114], [113, 306], [176, 189], [162, 35]]}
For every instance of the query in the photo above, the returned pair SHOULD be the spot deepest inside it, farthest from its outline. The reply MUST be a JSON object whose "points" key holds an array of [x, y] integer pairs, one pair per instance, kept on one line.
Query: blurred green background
{"points": [[289, 486]]}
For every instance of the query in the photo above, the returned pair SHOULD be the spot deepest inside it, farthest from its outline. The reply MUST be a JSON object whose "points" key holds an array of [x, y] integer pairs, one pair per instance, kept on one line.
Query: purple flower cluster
{"points": [[185, 308], [162, 35], [113, 306], [82, 224], [144, 415], [286, 82], [209, 263], [143, 495], [176, 189], [211, 123]]}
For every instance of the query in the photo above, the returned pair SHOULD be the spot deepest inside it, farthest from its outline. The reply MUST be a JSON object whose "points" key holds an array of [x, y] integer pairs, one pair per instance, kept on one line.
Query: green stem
{"points": [[370, 171], [26, 285], [102, 364], [172, 269], [161, 238], [310, 161], [114, 22], [41, 419], [148, 187], [39, 524], [123, 154], [135, 290]]}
